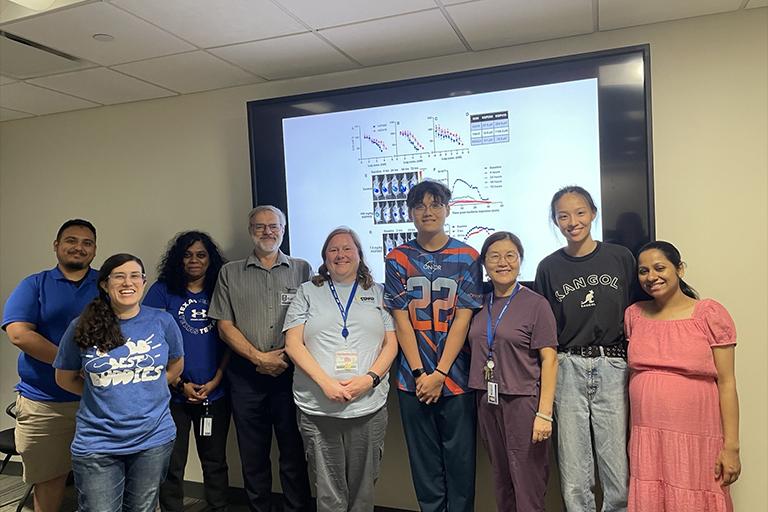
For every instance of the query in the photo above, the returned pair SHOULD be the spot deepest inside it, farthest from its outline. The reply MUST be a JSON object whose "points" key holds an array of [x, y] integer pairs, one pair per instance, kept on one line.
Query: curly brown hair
{"points": [[98, 325]]}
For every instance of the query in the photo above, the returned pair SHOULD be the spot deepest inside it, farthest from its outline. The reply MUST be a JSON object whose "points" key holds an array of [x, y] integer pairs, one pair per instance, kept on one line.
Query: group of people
{"points": [[112, 381]]}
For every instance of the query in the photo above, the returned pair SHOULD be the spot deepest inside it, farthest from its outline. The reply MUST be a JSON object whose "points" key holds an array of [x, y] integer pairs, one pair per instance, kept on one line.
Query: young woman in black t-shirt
{"points": [[588, 285]]}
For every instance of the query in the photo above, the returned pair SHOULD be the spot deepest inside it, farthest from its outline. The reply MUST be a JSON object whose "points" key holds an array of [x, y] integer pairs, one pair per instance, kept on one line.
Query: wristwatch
{"points": [[376, 378], [417, 372]]}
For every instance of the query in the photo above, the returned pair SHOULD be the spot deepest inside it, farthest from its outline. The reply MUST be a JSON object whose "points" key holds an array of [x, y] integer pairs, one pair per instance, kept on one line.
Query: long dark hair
{"points": [[98, 325], [171, 268], [364, 276], [673, 255], [570, 189]]}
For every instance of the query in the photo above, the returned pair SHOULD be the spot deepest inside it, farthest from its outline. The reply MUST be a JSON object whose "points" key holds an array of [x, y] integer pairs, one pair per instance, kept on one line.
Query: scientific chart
{"points": [[502, 154]]}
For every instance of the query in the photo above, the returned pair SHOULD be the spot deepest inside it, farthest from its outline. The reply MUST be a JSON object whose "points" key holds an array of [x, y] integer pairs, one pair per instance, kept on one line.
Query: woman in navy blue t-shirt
{"points": [[120, 356], [187, 275]]}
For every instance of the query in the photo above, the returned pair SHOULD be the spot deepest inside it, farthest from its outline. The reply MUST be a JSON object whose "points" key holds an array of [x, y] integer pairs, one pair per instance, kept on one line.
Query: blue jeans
{"points": [[591, 403], [114, 483]]}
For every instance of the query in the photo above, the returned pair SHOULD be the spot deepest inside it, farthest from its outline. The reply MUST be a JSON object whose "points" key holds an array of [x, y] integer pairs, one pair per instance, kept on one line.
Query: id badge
{"points": [[206, 426], [287, 297], [346, 361], [493, 393]]}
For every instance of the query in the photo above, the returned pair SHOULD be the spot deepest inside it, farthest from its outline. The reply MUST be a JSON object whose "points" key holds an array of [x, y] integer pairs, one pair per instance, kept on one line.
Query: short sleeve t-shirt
{"points": [[49, 301], [203, 349], [588, 294], [124, 408], [527, 326], [368, 320], [431, 285]]}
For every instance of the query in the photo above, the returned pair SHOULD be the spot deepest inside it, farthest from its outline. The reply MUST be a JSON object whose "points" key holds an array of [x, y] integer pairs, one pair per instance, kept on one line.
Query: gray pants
{"points": [[344, 456]]}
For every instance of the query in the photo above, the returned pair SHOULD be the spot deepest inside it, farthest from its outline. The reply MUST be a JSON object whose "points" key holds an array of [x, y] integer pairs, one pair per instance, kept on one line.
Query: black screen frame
{"points": [[626, 156]]}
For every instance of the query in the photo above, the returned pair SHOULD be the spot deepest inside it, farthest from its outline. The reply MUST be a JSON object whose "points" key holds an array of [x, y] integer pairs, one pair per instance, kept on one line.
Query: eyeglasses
{"points": [[495, 258], [260, 228], [434, 207], [134, 277]]}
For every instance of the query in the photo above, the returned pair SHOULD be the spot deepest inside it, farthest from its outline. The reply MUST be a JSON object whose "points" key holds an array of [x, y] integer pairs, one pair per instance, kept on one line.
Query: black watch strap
{"points": [[376, 378], [417, 372]]}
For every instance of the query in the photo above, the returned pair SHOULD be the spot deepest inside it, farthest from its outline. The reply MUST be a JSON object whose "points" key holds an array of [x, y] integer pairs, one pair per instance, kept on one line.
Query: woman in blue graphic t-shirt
{"points": [[120, 356], [187, 275]]}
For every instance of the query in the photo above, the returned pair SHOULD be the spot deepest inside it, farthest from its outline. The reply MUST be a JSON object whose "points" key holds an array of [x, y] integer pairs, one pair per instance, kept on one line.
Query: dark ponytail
{"points": [[98, 325], [673, 255]]}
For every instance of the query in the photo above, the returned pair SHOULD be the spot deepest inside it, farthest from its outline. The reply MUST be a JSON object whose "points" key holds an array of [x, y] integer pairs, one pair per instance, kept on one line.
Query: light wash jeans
{"points": [[121, 483], [592, 395]]}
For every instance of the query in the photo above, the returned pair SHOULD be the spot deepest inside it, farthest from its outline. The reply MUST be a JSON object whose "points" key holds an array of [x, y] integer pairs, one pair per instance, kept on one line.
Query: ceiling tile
{"points": [[337, 12], [36, 100], [627, 13], [21, 60], [102, 85], [400, 38], [72, 30], [757, 3], [8, 114], [6, 80], [284, 57], [218, 23], [189, 72], [495, 23]]}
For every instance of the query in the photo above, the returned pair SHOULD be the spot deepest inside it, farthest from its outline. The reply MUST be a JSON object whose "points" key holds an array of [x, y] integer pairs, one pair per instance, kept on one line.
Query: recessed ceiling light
{"points": [[104, 38], [35, 5]]}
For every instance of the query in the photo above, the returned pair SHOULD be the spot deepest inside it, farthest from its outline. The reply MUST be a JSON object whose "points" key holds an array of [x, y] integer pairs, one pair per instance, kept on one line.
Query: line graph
{"points": [[477, 230], [463, 192]]}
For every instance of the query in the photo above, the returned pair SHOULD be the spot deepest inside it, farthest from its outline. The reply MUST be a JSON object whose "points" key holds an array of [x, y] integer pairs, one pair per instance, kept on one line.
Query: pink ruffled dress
{"points": [[675, 409]]}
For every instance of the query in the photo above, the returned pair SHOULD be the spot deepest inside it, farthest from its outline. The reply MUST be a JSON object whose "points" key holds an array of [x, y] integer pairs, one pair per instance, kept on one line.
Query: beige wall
{"points": [[143, 171]]}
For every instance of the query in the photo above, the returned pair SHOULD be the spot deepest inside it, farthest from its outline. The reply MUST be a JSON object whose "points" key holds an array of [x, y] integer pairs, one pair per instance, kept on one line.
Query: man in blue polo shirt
{"points": [[35, 317]]}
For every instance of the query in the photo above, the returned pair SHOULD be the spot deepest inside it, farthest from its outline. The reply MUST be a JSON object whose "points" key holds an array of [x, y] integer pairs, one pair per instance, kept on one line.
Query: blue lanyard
{"points": [[344, 311], [491, 330]]}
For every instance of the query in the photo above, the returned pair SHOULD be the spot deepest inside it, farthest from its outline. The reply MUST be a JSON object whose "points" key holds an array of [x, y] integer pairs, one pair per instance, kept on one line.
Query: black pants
{"points": [[261, 403], [212, 451]]}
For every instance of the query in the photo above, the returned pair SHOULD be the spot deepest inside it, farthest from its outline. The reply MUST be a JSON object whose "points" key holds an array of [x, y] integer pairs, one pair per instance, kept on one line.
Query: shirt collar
{"points": [[254, 261], [59, 276]]}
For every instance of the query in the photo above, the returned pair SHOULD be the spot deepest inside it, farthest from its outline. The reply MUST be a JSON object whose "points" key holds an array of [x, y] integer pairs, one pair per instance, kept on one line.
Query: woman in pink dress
{"points": [[684, 445]]}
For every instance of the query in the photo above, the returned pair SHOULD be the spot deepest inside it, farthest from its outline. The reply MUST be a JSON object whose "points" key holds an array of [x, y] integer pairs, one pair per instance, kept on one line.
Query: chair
{"points": [[8, 447]]}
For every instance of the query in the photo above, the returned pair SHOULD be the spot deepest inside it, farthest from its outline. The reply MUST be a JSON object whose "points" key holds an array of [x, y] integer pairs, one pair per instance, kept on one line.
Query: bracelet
{"points": [[544, 417], [441, 372]]}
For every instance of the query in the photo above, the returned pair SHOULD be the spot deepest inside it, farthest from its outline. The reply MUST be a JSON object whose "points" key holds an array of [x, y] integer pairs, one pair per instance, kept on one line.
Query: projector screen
{"points": [[503, 140]]}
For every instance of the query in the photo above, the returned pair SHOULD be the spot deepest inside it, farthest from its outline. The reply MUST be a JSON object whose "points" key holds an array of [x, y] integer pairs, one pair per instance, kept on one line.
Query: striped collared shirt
{"points": [[256, 298]]}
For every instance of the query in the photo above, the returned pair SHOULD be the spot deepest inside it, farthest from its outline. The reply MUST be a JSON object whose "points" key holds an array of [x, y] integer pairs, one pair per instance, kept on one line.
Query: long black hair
{"points": [[98, 325], [673, 255], [570, 189], [171, 268]]}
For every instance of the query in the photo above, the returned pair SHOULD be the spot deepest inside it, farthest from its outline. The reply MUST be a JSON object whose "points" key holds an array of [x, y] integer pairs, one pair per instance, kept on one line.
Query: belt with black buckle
{"points": [[597, 351]]}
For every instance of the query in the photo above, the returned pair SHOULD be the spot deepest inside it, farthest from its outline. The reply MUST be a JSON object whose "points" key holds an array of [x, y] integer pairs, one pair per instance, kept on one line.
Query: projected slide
{"points": [[503, 154]]}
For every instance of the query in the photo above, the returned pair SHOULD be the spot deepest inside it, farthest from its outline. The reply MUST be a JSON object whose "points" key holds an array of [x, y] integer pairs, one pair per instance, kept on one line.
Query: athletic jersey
{"points": [[431, 285]]}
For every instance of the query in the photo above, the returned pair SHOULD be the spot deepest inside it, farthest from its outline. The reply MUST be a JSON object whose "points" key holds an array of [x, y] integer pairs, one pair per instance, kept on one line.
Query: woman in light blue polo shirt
{"points": [[342, 341], [119, 356]]}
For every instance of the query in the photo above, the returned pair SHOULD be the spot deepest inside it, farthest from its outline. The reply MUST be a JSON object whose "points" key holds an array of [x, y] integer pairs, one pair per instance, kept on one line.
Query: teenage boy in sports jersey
{"points": [[432, 285]]}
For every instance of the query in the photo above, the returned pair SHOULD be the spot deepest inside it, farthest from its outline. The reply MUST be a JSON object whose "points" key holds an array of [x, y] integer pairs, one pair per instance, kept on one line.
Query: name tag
{"points": [[206, 426], [346, 361], [493, 393], [286, 298]]}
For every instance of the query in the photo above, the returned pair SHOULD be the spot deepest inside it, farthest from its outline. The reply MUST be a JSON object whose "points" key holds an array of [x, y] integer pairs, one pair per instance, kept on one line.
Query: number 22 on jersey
{"points": [[442, 309]]}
